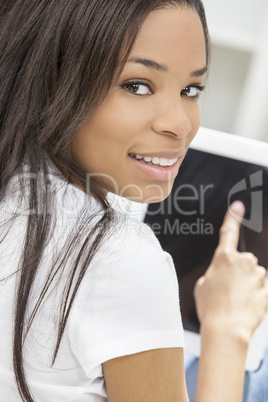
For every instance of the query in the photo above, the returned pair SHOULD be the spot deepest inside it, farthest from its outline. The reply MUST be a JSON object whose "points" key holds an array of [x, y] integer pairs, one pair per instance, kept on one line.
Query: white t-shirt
{"points": [[128, 302]]}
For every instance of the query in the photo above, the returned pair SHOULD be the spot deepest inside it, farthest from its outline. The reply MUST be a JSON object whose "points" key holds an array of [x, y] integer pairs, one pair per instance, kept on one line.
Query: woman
{"points": [[100, 96]]}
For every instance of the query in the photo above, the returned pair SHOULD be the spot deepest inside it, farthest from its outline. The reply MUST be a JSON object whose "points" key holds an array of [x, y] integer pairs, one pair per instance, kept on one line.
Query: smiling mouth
{"points": [[155, 161]]}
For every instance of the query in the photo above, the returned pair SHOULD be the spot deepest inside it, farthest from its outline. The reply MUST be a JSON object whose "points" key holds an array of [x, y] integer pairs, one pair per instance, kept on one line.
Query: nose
{"points": [[173, 119]]}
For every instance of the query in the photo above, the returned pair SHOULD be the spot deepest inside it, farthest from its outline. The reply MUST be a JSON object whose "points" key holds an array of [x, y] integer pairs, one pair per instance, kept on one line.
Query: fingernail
{"points": [[238, 207]]}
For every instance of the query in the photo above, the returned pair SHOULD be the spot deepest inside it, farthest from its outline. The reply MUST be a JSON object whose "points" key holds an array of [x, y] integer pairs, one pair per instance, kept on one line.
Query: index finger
{"points": [[230, 229]]}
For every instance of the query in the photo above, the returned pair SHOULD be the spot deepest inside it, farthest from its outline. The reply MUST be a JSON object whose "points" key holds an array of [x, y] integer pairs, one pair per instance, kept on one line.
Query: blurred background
{"points": [[236, 98]]}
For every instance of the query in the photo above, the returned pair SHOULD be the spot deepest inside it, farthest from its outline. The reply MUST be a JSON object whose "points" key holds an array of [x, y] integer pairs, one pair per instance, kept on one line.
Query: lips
{"points": [[156, 172]]}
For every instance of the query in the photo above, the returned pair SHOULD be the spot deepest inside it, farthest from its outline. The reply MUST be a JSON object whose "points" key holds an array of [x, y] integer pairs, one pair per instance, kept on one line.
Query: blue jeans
{"points": [[255, 386]]}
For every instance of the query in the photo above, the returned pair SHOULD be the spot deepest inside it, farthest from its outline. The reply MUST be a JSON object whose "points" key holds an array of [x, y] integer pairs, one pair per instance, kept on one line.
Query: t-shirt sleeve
{"points": [[128, 302]]}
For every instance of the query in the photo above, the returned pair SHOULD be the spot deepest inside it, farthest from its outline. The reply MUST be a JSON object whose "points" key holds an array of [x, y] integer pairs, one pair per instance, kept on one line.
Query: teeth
{"points": [[155, 160], [147, 159], [167, 162], [164, 162]]}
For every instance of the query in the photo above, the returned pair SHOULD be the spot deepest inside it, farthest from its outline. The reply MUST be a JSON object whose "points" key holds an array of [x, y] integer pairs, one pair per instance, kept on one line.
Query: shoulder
{"points": [[130, 272], [129, 299], [133, 244]]}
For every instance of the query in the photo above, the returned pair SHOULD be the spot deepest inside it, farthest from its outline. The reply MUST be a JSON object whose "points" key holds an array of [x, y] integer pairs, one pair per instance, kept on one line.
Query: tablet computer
{"points": [[218, 169]]}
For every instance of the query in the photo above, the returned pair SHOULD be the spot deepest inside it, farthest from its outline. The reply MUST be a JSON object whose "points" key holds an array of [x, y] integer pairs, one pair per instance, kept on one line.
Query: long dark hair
{"points": [[58, 60]]}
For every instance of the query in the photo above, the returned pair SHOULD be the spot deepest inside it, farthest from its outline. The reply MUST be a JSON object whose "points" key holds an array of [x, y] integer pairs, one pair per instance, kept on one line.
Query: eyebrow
{"points": [[199, 73], [161, 67], [149, 63]]}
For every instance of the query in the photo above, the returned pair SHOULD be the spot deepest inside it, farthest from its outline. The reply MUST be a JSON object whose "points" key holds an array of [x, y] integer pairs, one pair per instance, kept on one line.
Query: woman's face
{"points": [[138, 138]]}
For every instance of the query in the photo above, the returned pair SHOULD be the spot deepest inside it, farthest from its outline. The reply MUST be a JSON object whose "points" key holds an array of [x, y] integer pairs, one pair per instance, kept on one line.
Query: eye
{"points": [[193, 91], [137, 88]]}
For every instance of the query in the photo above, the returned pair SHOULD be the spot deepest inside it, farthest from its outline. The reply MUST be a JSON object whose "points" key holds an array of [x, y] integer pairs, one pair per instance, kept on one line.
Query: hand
{"points": [[232, 295]]}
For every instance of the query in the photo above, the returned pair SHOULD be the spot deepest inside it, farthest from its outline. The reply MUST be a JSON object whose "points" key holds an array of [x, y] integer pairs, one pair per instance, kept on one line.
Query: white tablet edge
{"points": [[231, 146]]}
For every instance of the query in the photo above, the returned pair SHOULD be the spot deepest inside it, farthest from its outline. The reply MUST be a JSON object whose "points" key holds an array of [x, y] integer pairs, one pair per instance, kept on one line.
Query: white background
{"points": [[236, 99]]}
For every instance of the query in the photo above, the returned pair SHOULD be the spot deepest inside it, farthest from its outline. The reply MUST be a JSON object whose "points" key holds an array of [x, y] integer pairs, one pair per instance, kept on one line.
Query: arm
{"points": [[231, 301], [151, 376], [221, 367]]}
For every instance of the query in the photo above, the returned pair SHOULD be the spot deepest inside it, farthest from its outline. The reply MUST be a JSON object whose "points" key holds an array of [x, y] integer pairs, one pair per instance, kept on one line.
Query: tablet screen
{"points": [[187, 223]]}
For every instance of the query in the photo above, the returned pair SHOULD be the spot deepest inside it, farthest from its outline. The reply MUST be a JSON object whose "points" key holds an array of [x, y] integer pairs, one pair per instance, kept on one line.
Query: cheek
{"points": [[130, 119], [194, 115], [105, 134], [121, 121]]}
